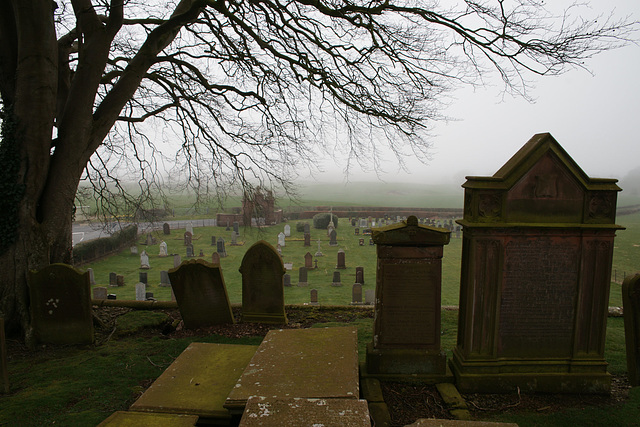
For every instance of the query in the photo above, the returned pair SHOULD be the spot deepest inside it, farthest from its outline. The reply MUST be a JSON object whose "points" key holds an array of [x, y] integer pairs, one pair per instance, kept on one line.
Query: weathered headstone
{"points": [[144, 260], [201, 294], [164, 278], [188, 237], [119, 280], [307, 239], [408, 288], [60, 305], [150, 239], [356, 294], [215, 258], [100, 292], [356, 231], [236, 227], [361, 242], [189, 228], [302, 277], [143, 277], [163, 249], [176, 260], [360, 275], [262, 285], [281, 240], [308, 260], [190, 253], [313, 298], [287, 230], [201, 254], [213, 240], [369, 296], [287, 280], [341, 260], [133, 250], [112, 296], [536, 270], [234, 238], [336, 279], [307, 228], [141, 289], [333, 236], [92, 279], [221, 249], [631, 310], [166, 228]]}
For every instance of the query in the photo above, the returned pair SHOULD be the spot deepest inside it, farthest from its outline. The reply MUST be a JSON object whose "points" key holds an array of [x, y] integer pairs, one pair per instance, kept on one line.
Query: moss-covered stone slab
{"points": [[136, 419], [431, 422], [309, 363], [261, 411], [198, 381]]}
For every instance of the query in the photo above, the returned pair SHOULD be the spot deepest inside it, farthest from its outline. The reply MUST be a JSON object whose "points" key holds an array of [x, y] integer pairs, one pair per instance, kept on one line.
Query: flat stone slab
{"points": [[198, 381], [431, 422], [308, 363], [136, 419], [262, 411]]}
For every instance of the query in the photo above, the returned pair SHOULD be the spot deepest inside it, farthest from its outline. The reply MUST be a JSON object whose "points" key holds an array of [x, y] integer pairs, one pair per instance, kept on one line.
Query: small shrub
{"points": [[321, 220], [300, 226]]}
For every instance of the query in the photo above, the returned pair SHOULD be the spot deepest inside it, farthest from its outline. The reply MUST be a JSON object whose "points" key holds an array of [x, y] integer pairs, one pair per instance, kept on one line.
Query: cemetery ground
{"points": [[82, 385]]}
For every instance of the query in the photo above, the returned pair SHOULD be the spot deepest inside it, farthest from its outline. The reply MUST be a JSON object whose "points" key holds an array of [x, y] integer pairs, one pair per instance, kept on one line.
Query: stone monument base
{"points": [[273, 318], [544, 376], [399, 362]]}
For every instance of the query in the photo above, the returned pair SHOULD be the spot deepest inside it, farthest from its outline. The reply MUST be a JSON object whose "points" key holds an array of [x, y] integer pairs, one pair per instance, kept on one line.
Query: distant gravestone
{"points": [[234, 238], [307, 239], [356, 231], [279, 249], [356, 294], [201, 254], [307, 228], [336, 279], [163, 249], [144, 260], [288, 266], [148, 296], [371, 242], [120, 280], [262, 285], [60, 305], [333, 236], [341, 260], [369, 296], [308, 260], [143, 277], [164, 278], [353, 222], [281, 240], [287, 230], [213, 240], [166, 229], [141, 290], [92, 279], [215, 258], [201, 294], [631, 310], [188, 236], [302, 277], [287, 280], [360, 275], [221, 249], [361, 242], [150, 240], [176, 260], [100, 292], [112, 279], [189, 228], [190, 253], [133, 250], [319, 252], [236, 227], [314, 297]]}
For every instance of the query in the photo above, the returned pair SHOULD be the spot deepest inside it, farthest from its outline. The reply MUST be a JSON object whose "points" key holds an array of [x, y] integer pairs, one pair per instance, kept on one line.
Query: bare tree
{"points": [[245, 91]]}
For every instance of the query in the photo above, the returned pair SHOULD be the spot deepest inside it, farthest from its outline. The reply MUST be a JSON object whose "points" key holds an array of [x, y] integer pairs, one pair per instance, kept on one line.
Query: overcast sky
{"points": [[595, 117]]}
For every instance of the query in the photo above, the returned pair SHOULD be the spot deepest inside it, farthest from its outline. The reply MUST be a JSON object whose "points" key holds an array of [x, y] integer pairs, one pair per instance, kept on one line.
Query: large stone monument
{"points": [[262, 285], [406, 333], [536, 266]]}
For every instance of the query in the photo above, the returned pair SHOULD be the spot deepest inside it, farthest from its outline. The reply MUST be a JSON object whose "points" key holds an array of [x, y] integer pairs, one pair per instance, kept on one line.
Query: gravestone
{"points": [[234, 238], [190, 253], [215, 258], [143, 277], [307, 239], [353, 222], [141, 289], [287, 280], [307, 228], [92, 279], [287, 230], [341, 260], [356, 293], [308, 260], [227, 228], [163, 249], [361, 242], [164, 278], [236, 227], [119, 280], [319, 252], [371, 242], [313, 298], [279, 249], [112, 296], [262, 285], [100, 292], [188, 237], [150, 239], [281, 241], [536, 269], [133, 250], [166, 229], [144, 260], [333, 236], [407, 316], [60, 305], [201, 294], [356, 231], [189, 229], [369, 296], [302, 277], [201, 254], [360, 275], [335, 281], [631, 310], [176, 260], [288, 266], [213, 240], [221, 249]]}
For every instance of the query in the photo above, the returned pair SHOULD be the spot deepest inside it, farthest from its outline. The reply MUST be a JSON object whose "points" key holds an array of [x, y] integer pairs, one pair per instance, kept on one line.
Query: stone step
{"points": [[135, 419]]}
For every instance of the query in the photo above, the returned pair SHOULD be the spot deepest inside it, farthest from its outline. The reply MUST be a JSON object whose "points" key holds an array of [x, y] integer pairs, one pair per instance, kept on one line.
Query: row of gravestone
{"points": [[335, 281]]}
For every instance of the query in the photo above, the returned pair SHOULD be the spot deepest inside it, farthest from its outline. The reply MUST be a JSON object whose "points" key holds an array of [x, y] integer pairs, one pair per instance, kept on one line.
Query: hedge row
{"points": [[98, 248]]}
